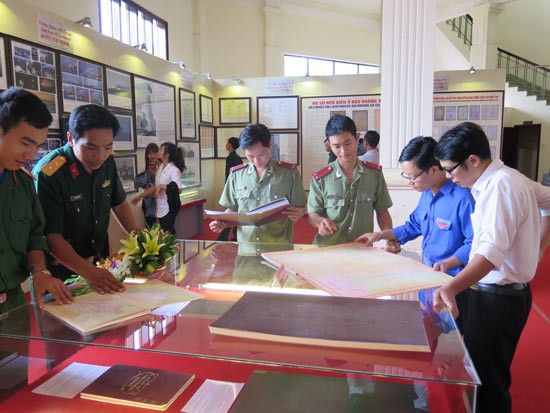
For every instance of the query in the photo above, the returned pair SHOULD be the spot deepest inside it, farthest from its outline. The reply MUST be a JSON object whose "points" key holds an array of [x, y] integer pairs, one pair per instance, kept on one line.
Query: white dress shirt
{"points": [[506, 225], [372, 156], [164, 176]]}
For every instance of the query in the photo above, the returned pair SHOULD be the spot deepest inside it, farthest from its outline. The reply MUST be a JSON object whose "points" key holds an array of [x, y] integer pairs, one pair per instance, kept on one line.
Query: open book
{"points": [[138, 386], [272, 211], [93, 312]]}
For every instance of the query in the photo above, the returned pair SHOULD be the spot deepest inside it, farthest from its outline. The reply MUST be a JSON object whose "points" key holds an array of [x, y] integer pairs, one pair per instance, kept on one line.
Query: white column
{"points": [[200, 44], [406, 75], [274, 65], [483, 53]]}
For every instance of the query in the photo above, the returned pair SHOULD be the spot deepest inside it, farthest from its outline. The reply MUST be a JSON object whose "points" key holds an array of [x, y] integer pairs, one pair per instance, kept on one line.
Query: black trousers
{"points": [[167, 222], [492, 325]]}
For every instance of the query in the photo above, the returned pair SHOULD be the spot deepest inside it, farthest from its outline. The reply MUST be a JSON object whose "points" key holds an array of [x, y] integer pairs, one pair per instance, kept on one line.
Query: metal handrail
{"points": [[527, 75], [463, 26]]}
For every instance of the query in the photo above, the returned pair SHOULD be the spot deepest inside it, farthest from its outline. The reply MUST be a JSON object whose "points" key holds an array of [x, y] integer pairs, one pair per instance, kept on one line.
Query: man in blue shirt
{"points": [[442, 215]]}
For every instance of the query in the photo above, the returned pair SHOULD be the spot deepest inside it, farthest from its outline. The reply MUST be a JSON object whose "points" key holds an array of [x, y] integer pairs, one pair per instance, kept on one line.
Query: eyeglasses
{"points": [[450, 170], [411, 178]]}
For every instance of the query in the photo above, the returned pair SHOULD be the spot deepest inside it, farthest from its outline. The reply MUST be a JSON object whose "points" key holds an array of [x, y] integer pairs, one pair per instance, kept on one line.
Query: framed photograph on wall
{"points": [[234, 110], [191, 154], [223, 133], [126, 166], [35, 70], [125, 138], [119, 89], [278, 112], [206, 139], [155, 112], [285, 147], [81, 81], [187, 114], [3, 68], [206, 109]]}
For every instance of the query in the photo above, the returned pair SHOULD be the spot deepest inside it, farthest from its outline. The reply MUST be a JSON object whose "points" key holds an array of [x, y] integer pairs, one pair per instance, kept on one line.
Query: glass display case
{"points": [[34, 346]]}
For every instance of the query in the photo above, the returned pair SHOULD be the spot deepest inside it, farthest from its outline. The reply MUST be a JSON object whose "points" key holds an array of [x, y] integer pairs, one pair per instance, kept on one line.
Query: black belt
{"points": [[506, 289]]}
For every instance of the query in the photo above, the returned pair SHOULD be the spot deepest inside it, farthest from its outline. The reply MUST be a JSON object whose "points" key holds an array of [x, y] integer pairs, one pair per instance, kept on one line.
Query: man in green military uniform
{"points": [[344, 195], [260, 181], [78, 185], [24, 122]]}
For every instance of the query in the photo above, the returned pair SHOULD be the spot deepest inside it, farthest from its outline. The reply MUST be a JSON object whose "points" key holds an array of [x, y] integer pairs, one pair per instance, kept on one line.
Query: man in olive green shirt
{"points": [[344, 195], [24, 122], [78, 186], [260, 181]]}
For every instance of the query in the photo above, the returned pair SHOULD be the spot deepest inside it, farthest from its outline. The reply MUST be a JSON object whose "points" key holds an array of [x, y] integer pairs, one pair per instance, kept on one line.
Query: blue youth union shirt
{"points": [[444, 221]]}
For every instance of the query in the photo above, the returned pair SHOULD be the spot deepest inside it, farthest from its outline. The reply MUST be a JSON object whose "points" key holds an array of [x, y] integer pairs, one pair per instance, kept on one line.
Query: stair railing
{"points": [[526, 75], [463, 26]]}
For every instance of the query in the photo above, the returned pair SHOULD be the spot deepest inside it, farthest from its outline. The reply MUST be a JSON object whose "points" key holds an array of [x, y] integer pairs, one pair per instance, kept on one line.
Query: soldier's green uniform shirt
{"points": [[77, 204], [350, 205], [243, 191], [21, 231]]}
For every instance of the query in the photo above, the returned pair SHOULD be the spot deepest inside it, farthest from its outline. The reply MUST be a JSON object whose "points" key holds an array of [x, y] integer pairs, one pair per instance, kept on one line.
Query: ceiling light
{"points": [[472, 70], [236, 79], [85, 21], [142, 46], [207, 75], [180, 64]]}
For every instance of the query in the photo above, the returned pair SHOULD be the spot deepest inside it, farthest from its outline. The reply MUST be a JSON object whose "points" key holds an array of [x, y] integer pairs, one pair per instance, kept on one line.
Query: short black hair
{"points": [[254, 133], [339, 124], [19, 105], [373, 138], [234, 142], [463, 140], [420, 151], [88, 117]]}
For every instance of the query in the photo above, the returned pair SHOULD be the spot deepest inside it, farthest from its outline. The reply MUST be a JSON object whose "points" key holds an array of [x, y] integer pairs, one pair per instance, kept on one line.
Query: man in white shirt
{"points": [[509, 239], [372, 138]]}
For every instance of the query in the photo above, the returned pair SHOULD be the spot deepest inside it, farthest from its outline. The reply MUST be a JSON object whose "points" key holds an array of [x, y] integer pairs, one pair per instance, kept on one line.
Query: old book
{"points": [[93, 312], [138, 386], [272, 211], [345, 322], [355, 270], [274, 392]]}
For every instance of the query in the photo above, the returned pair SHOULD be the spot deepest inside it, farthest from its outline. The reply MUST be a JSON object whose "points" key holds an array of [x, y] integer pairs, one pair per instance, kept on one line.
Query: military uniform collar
{"points": [[359, 168], [75, 166]]}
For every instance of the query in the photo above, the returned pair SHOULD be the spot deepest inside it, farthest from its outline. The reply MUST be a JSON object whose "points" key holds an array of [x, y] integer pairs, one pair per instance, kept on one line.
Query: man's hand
{"points": [[393, 246], [441, 266], [217, 226], [43, 283], [103, 282], [369, 238], [136, 199], [445, 296], [326, 227], [294, 213]]}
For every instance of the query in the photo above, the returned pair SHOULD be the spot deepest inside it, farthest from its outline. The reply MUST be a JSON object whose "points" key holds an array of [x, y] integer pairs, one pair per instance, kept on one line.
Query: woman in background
{"points": [[146, 180], [167, 186]]}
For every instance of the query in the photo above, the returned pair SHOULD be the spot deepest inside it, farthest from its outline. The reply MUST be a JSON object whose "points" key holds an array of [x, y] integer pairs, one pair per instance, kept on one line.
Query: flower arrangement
{"points": [[143, 253], [147, 250]]}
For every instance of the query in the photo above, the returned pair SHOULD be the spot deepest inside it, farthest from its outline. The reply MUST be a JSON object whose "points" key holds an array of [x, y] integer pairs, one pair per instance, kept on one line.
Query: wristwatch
{"points": [[43, 271]]}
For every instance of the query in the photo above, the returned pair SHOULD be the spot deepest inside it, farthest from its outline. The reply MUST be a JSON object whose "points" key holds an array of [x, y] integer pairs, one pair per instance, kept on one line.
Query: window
{"points": [[131, 24], [296, 65]]}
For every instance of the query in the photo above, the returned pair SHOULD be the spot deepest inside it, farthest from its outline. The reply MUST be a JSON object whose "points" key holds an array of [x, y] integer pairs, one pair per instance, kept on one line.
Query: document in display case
{"points": [[274, 392], [345, 322], [138, 387]]}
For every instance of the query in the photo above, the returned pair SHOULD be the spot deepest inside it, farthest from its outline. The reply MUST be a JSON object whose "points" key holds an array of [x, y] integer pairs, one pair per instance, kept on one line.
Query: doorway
{"points": [[520, 149]]}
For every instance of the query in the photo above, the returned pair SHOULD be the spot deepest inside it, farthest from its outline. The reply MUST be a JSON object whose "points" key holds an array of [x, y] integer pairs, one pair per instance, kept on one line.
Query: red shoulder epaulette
{"points": [[237, 167], [288, 165], [325, 171], [29, 173], [372, 165]]}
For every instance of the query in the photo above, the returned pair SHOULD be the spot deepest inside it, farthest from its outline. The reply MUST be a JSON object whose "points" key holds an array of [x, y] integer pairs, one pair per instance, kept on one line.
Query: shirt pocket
{"points": [[243, 196]]}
